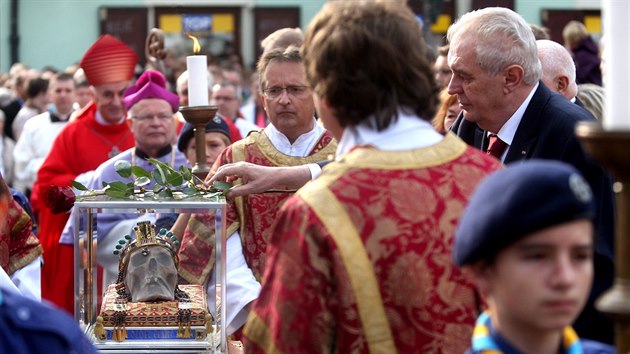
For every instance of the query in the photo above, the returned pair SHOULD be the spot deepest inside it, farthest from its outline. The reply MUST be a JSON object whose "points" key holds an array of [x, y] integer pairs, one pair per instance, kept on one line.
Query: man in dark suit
{"points": [[496, 75]]}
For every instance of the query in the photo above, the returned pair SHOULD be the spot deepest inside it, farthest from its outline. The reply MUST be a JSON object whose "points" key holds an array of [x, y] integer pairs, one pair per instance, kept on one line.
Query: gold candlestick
{"points": [[199, 116], [612, 150]]}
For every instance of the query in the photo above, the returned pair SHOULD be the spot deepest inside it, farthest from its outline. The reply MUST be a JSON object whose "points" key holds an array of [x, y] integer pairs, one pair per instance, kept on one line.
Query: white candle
{"points": [[617, 56], [197, 66]]}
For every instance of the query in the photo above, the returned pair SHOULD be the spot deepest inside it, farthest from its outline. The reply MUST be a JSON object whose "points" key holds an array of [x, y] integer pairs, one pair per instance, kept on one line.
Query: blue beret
{"points": [[517, 201], [216, 124]]}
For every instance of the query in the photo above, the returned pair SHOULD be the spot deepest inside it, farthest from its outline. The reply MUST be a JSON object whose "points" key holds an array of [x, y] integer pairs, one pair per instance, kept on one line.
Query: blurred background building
{"points": [[57, 32]]}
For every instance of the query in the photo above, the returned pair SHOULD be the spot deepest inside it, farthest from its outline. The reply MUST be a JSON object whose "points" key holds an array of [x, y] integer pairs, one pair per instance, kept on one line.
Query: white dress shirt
{"points": [[508, 130]]}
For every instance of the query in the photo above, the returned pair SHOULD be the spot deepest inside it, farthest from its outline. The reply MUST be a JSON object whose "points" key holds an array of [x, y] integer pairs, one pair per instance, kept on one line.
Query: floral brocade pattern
{"points": [[18, 245], [251, 215], [405, 219], [258, 211]]}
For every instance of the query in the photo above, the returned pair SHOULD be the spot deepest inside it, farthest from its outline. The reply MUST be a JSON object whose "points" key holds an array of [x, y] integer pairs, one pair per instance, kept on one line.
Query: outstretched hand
{"points": [[254, 178], [259, 179]]}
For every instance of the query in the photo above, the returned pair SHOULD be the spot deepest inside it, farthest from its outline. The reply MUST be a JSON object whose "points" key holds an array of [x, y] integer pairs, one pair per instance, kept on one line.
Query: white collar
{"points": [[100, 120], [301, 147], [405, 133], [508, 130]]}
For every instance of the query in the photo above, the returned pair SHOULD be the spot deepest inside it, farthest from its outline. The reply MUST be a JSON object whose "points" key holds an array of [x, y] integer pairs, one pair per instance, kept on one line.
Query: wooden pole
{"points": [[611, 148]]}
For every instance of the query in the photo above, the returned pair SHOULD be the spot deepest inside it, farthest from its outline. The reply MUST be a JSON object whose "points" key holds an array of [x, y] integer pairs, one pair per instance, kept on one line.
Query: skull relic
{"points": [[151, 274]]}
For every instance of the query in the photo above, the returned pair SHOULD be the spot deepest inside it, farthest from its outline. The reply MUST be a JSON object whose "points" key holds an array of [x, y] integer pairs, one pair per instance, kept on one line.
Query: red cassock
{"points": [[251, 215], [80, 147], [360, 259]]}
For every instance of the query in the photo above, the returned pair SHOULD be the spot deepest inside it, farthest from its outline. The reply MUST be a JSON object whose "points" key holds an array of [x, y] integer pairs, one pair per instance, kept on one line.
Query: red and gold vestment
{"points": [[18, 245], [252, 216], [360, 258]]}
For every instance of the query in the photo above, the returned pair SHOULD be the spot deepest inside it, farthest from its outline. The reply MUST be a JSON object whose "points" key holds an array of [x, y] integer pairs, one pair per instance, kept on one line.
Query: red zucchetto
{"points": [[108, 60]]}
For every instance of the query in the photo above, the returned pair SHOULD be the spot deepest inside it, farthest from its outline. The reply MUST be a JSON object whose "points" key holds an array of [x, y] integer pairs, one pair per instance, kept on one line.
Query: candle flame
{"points": [[196, 46]]}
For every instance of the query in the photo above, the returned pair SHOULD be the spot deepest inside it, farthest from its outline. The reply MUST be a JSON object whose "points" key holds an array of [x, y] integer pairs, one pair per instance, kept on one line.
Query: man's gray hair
{"points": [[501, 38], [556, 60], [237, 90], [290, 54]]}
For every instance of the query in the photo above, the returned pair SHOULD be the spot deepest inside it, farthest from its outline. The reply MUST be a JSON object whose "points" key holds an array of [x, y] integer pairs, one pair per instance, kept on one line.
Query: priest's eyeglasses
{"points": [[147, 117], [273, 93]]}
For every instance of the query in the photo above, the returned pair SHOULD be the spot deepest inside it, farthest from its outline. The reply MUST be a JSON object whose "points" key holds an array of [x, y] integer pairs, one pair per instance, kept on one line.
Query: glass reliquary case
{"points": [[144, 307]]}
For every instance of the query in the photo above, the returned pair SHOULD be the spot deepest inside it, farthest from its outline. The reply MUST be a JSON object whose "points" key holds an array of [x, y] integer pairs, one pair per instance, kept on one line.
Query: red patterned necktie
{"points": [[496, 147]]}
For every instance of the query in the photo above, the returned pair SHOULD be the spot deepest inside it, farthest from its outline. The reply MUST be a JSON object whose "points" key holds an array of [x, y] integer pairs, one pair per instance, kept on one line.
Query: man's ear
{"points": [[482, 273], [328, 116], [513, 76], [562, 82], [263, 101]]}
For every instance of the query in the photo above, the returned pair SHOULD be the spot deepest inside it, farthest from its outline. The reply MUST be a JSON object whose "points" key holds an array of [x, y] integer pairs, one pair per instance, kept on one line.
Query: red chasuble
{"points": [[251, 215], [360, 259], [80, 147], [18, 245]]}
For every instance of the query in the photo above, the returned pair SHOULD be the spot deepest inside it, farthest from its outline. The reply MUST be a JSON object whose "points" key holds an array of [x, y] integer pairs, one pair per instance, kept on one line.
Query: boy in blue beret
{"points": [[527, 236], [217, 133], [217, 139]]}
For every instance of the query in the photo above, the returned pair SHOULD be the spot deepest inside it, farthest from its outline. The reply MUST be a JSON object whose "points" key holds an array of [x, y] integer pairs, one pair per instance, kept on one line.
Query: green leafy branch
{"points": [[169, 183]]}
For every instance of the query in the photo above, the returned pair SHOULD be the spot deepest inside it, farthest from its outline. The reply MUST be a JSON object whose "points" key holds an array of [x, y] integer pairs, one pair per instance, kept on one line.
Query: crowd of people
{"points": [[420, 203]]}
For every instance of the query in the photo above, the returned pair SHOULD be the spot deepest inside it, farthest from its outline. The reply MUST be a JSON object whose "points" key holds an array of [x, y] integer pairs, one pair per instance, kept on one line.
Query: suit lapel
{"points": [[469, 132], [526, 134]]}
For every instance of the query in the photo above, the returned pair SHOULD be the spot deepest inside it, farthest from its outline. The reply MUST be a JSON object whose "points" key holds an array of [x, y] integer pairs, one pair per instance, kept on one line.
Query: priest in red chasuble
{"points": [[292, 138], [359, 260], [19, 247], [99, 132]]}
